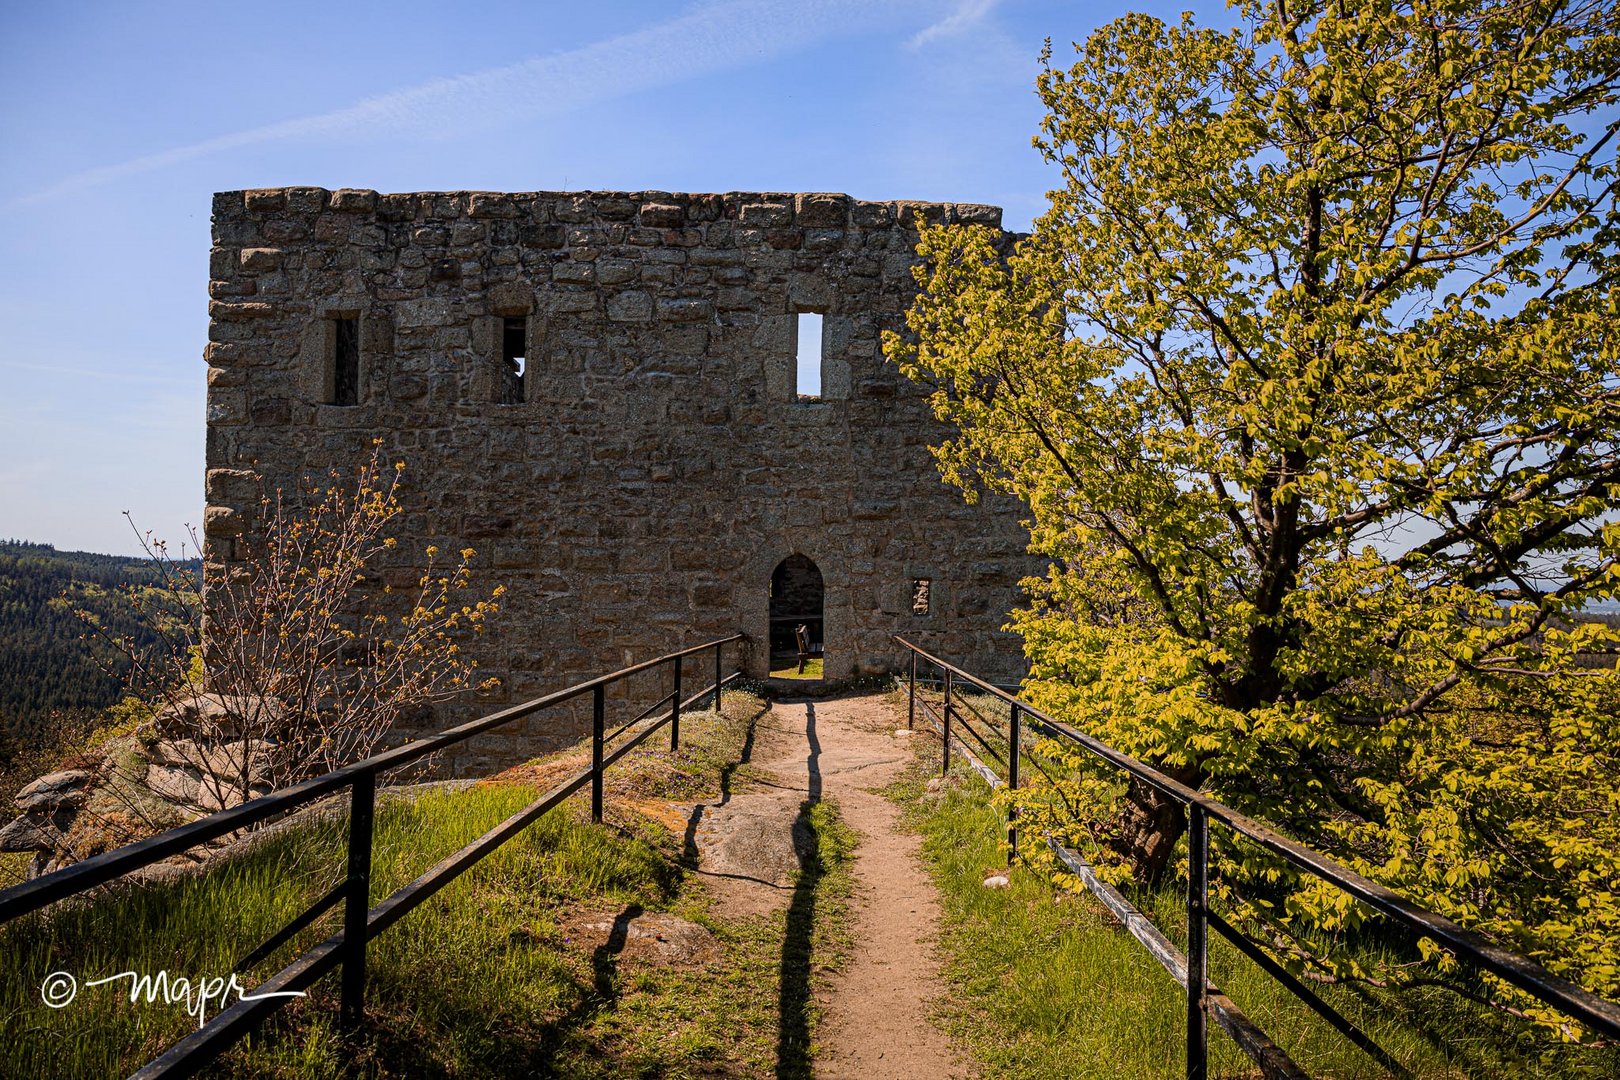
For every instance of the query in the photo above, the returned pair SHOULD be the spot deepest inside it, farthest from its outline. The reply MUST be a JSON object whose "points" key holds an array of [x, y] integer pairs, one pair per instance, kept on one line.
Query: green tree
{"points": [[1309, 379]]}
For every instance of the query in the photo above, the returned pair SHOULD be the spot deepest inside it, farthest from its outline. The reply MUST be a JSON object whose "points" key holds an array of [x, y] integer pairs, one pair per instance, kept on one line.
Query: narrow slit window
{"points": [[514, 358], [808, 361], [346, 362]]}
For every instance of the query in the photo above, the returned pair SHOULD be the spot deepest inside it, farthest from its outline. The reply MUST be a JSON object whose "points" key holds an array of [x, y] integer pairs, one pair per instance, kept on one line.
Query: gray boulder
{"points": [[70, 787], [176, 784], [30, 832], [217, 715]]}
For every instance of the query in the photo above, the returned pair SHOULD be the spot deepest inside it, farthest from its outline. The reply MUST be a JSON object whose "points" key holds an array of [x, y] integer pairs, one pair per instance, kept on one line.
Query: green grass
{"points": [[812, 670], [486, 978], [1044, 983]]}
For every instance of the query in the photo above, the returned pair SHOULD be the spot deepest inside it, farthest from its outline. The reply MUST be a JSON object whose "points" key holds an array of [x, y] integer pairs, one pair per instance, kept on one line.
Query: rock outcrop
{"points": [[188, 761]]}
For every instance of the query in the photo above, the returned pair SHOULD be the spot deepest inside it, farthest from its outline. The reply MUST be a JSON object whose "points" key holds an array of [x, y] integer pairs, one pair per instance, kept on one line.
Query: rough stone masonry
{"points": [[597, 391]]}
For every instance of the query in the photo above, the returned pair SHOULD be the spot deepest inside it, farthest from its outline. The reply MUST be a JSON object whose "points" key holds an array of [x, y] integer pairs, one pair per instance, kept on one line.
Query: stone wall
{"points": [[661, 463]]}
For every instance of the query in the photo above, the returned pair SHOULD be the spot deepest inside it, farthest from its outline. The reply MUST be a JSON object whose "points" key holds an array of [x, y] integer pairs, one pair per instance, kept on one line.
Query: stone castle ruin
{"points": [[601, 392]]}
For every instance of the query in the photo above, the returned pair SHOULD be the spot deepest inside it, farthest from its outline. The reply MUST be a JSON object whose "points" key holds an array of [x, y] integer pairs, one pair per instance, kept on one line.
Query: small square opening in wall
{"points": [[807, 362], [345, 385], [514, 358], [921, 593]]}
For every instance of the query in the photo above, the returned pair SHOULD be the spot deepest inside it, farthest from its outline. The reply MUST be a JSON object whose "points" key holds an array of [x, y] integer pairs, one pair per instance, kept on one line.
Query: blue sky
{"points": [[121, 119]]}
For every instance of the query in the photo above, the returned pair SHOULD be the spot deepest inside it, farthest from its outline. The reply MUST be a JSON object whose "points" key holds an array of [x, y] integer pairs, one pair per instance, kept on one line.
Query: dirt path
{"points": [[875, 1023]]}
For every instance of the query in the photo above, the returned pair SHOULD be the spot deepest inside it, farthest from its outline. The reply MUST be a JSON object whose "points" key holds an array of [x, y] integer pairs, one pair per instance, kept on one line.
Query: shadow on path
{"points": [[605, 958], [689, 848], [793, 999]]}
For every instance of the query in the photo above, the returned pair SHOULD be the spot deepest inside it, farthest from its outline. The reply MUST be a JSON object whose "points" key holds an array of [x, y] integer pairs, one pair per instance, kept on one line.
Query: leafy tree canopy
{"points": [[1309, 379]]}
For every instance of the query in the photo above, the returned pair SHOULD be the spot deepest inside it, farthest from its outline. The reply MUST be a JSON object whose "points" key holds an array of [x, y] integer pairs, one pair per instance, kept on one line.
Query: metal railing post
{"points": [[357, 901], [1197, 942], [598, 722], [1012, 784], [675, 711], [717, 679], [945, 765], [911, 694]]}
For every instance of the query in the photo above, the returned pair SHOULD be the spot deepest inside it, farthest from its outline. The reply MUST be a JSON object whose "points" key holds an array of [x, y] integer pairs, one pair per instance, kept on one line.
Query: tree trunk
{"points": [[1148, 826]]}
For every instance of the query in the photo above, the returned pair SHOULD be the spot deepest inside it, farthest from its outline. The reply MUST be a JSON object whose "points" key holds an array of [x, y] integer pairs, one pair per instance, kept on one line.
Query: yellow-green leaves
{"points": [[1310, 379]]}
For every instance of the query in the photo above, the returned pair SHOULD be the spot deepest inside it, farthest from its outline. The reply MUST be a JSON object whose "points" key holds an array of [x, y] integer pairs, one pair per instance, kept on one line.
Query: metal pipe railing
{"points": [[361, 921], [1520, 971]]}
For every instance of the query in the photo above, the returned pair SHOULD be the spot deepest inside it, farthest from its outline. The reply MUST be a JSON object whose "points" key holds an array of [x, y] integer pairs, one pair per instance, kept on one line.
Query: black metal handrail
{"points": [[361, 921], [1522, 972]]}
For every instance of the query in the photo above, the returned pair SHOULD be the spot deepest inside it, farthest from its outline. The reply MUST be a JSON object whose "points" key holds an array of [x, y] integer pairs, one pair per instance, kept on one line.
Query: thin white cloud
{"points": [[967, 15], [710, 38], [87, 373]]}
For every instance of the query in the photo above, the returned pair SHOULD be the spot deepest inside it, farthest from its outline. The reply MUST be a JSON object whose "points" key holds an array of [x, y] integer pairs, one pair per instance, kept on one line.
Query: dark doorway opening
{"points": [[796, 600]]}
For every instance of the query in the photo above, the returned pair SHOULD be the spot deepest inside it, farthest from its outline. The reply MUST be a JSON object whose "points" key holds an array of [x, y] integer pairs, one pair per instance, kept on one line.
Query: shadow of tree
{"points": [[689, 849], [794, 993]]}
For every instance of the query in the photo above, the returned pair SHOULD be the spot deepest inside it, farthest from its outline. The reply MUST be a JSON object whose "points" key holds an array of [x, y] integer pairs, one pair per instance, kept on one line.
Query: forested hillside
{"points": [[52, 671]]}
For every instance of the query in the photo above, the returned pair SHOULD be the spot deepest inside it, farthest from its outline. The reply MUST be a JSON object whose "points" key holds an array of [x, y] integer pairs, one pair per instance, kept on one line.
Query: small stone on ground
{"points": [[660, 939]]}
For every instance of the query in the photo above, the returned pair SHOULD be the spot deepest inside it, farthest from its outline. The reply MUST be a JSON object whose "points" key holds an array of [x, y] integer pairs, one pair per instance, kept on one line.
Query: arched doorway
{"points": [[796, 598]]}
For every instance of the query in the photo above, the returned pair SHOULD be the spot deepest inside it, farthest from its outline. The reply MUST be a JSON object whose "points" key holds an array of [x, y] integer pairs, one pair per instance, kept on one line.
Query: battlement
{"points": [[645, 209]]}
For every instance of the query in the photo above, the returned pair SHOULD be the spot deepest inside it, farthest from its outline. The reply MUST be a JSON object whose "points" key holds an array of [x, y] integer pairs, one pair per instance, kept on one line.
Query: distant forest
{"points": [[54, 675]]}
